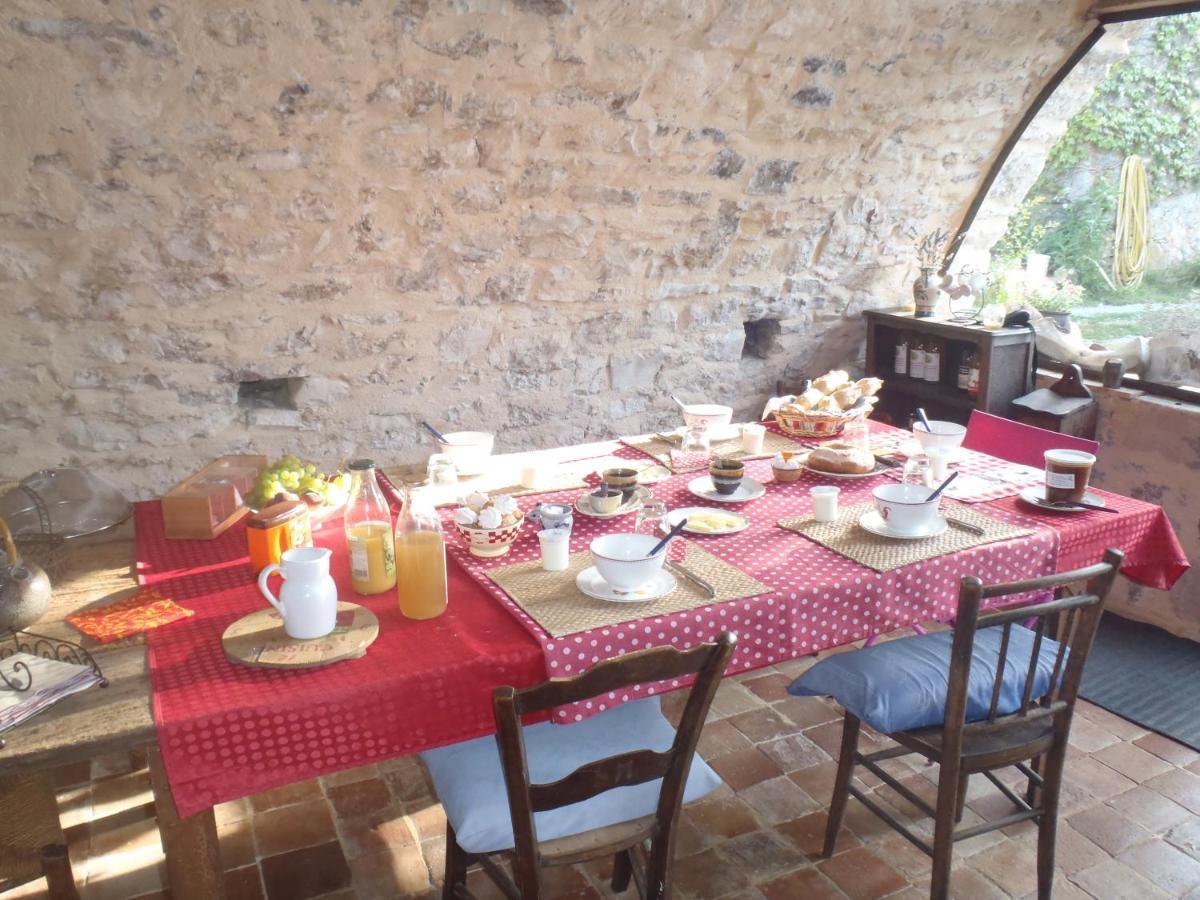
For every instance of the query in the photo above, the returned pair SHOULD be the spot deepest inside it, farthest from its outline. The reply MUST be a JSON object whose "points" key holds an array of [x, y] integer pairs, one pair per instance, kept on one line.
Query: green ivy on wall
{"points": [[1148, 107]]}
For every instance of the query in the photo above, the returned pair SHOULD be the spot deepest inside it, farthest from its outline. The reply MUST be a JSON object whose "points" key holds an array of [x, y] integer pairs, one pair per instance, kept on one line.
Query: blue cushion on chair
{"points": [[900, 685], [470, 782]]}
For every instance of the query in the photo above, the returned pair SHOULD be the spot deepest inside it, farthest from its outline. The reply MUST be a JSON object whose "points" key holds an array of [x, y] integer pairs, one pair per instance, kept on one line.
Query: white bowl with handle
{"points": [[944, 434], [621, 560], [905, 508], [469, 450]]}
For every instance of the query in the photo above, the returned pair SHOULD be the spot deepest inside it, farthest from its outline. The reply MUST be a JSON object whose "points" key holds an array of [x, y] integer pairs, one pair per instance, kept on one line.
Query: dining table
{"points": [[218, 730]]}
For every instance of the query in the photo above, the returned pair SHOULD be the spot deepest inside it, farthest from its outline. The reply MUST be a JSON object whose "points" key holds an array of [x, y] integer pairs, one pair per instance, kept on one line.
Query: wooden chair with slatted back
{"points": [[1033, 738], [625, 840]]}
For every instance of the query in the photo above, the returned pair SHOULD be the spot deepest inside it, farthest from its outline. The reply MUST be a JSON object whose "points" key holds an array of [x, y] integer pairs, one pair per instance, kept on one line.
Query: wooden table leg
{"points": [[193, 855]]}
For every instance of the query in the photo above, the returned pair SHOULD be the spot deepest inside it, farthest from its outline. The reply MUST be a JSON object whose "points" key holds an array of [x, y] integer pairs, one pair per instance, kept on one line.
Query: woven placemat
{"points": [[555, 603], [660, 449], [851, 540]]}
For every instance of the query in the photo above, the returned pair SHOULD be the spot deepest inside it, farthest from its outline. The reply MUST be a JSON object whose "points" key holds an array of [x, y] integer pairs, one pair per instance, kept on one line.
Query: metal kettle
{"points": [[24, 588]]}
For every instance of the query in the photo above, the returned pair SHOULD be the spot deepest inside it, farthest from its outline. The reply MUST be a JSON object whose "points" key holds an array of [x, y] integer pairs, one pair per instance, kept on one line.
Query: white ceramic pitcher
{"points": [[308, 599]]}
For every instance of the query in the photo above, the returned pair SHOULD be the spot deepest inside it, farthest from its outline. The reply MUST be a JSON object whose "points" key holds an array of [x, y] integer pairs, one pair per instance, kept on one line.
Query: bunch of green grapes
{"points": [[293, 478]]}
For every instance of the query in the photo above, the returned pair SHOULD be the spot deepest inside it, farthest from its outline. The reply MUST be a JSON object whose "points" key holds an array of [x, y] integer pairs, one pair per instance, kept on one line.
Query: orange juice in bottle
{"points": [[420, 559], [369, 532]]}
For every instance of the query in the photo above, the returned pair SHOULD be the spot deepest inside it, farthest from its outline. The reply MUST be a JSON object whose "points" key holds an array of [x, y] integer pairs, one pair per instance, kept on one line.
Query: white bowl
{"points": [[904, 507], [944, 434], [711, 414], [621, 560], [468, 449]]}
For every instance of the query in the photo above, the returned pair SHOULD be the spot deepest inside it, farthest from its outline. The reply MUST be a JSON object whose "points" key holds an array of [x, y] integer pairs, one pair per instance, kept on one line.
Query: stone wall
{"points": [[536, 217]]}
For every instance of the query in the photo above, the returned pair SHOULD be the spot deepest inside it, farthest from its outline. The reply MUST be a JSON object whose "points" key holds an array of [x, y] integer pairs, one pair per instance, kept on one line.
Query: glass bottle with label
{"points": [[933, 360], [420, 559], [964, 369], [916, 358], [900, 366], [369, 532], [973, 381]]}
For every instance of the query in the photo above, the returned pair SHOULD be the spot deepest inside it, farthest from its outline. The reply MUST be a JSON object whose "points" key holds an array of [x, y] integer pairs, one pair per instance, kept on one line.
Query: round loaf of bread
{"points": [[843, 460]]}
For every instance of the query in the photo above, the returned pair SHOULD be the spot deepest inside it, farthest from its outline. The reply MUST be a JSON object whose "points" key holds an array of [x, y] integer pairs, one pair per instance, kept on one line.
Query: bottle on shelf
{"points": [[973, 380], [900, 366], [933, 360], [369, 532], [964, 369], [420, 558], [916, 357]]}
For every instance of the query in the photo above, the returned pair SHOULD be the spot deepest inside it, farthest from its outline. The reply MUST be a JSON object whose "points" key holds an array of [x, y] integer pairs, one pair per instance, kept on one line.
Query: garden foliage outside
{"points": [[1150, 106]]}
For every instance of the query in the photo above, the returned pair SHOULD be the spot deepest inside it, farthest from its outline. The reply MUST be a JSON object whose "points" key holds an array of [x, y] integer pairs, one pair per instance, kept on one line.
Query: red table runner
{"points": [[227, 731]]}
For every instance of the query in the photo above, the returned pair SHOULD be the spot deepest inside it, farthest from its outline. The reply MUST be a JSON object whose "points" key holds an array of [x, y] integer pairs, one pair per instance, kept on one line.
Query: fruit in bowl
{"points": [[291, 478], [488, 526]]}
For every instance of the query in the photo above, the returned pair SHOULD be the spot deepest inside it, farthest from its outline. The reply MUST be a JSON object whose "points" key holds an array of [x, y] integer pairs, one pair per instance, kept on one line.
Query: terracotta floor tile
{"points": [[794, 668], [1186, 836], [1148, 808], [293, 827], [733, 699], [810, 884], [1132, 761], [816, 781], [1089, 737], [1108, 828], [237, 845], [867, 826], [1075, 851], [691, 838], [862, 875], [769, 687], [764, 854], [357, 798], [309, 872], [763, 724], [808, 712], [1112, 880], [349, 776], [968, 882], [408, 780], [1181, 786], [794, 752], [1175, 753], [1096, 779], [709, 873], [1011, 864], [428, 822], [1122, 728], [908, 860], [723, 818], [400, 870], [434, 852], [244, 884], [233, 811], [719, 738], [743, 768], [1171, 869], [287, 795], [808, 834], [376, 833], [778, 800]]}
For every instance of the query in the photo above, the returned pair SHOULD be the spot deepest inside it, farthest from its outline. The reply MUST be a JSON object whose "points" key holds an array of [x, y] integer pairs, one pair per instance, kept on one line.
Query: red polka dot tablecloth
{"points": [[227, 731], [821, 599]]}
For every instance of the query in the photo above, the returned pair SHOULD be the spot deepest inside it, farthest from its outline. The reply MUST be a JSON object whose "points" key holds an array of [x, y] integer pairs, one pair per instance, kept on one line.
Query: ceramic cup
{"points": [[605, 499], [904, 507], [553, 515], [1067, 474], [726, 474], [621, 560], [623, 480]]}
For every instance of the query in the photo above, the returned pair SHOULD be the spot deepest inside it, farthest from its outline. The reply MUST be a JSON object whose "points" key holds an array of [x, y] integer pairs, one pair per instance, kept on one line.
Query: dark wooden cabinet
{"points": [[1005, 366]]}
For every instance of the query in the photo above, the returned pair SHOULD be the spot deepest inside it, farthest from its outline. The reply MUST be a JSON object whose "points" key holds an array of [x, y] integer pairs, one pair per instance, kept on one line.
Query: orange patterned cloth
{"points": [[144, 610]]}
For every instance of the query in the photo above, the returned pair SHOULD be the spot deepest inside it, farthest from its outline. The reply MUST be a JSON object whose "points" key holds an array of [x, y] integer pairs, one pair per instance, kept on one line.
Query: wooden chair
{"points": [[624, 838], [1037, 731]]}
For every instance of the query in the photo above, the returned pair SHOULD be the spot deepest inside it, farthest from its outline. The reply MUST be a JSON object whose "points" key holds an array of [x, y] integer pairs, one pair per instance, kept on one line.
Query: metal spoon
{"points": [[437, 434], [924, 420], [682, 405], [941, 487]]}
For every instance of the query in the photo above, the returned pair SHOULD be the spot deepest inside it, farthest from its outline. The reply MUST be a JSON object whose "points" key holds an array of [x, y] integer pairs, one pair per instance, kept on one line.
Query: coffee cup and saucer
{"points": [[902, 511], [623, 572]]}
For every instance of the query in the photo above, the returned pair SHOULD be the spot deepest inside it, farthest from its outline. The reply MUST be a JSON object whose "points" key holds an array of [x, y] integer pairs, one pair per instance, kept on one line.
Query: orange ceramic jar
{"points": [[274, 529]]}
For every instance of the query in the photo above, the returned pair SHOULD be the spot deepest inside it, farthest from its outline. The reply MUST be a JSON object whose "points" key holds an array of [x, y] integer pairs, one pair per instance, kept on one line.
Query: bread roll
{"points": [[809, 399], [869, 386], [827, 405], [844, 460], [846, 396]]}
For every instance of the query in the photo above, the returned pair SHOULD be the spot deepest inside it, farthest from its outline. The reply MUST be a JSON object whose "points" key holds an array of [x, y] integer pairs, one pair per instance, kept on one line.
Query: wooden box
{"points": [[206, 504], [1067, 406]]}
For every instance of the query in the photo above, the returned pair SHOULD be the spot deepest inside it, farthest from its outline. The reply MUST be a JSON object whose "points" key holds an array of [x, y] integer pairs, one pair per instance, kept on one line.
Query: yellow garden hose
{"points": [[1131, 242]]}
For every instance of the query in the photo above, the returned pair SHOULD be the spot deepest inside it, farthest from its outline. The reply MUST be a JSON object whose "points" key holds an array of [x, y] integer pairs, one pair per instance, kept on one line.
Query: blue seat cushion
{"points": [[901, 685], [470, 782]]}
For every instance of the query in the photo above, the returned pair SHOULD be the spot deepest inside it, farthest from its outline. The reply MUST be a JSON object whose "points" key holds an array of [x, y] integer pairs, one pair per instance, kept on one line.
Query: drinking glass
{"points": [[916, 471], [858, 433], [695, 450], [650, 517], [441, 469]]}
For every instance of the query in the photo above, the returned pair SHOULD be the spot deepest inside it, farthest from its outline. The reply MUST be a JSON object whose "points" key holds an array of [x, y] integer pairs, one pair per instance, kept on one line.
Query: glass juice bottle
{"points": [[369, 532], [420, 559]]}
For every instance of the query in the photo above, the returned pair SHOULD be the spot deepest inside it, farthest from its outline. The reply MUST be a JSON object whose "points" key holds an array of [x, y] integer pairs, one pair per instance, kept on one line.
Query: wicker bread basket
{"points": [[818, 425]]}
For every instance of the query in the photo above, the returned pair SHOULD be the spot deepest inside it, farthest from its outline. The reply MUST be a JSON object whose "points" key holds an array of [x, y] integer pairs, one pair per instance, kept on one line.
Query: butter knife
{"points": [[966, 526], [693, 578]]}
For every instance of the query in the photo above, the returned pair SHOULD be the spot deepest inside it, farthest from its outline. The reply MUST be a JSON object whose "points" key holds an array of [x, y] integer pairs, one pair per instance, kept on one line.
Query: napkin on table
{"points": [[144, 610]]}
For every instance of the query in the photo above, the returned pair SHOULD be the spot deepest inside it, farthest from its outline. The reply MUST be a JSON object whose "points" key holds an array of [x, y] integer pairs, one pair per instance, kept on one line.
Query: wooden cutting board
{"points": [[259, 640]]}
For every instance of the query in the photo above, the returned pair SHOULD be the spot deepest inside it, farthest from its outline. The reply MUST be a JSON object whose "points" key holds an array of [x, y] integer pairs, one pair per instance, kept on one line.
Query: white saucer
{"points": [[748, 490], [1036, 496], [676, 515], [873, 522], [590, 582]]}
